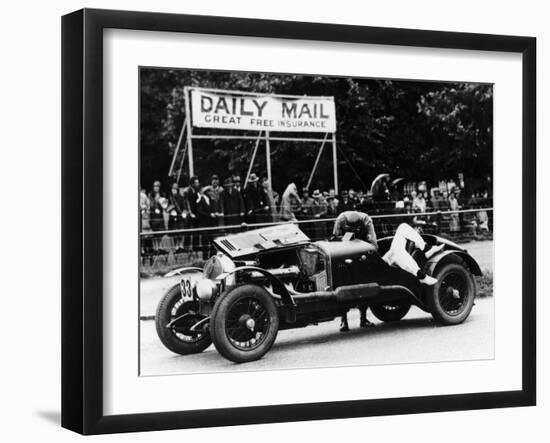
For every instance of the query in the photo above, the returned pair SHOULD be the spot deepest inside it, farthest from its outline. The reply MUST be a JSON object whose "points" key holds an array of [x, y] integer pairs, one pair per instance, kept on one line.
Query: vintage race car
{"points": [[275, 278]]}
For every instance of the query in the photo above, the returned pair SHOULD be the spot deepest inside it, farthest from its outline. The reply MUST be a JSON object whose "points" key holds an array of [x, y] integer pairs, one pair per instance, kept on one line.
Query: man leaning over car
{"points": [[361, 225]]}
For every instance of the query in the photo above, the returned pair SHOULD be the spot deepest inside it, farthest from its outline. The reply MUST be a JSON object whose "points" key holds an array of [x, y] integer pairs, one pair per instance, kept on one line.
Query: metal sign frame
{"points": [[187, 128]]}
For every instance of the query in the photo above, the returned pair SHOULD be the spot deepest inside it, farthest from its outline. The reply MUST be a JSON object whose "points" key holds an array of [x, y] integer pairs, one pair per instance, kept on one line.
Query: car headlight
{"points": [[205, 289], [218, 264]]}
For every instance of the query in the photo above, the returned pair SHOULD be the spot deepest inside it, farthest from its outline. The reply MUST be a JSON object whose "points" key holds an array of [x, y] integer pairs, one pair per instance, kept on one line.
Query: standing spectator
{"points": [[436, 199], [332, 209], [445, 204], [275, 207], [345, 203], [354, 201], [255, 201], [418, 202], [332, 194], [470, 219], [216, 190], [144, 210], [438, 205], [176, 208], [381, 192], [418, 206], [270, 198], [157, 205], [156, 210], [206, 212], [454, 224], [360, 204], [369, 204], [237, 183], [144, 224], [319, 211], [444, 207], [289, 202], [177, 215], [483, 222], [305, 211], [191, 196], [231, 204]]}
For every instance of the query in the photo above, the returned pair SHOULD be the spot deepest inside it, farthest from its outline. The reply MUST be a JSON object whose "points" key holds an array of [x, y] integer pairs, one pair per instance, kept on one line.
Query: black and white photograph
{"points": [[291, 221], [270, 221]]}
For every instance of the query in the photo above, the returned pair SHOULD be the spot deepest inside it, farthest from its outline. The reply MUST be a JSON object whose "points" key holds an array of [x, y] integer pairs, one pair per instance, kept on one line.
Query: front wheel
{"points": [[451, 299], [389, 312], [174, 321], [244, 323]]}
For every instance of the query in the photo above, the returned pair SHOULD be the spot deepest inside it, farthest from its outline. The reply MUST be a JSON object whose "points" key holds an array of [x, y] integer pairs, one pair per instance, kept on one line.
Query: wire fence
{"points": [[163, 250]]}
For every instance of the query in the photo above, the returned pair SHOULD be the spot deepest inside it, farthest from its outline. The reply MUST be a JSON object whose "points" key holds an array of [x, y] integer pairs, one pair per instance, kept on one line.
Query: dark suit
{"points": [[232, 205], [255, 201], [205, 209]]}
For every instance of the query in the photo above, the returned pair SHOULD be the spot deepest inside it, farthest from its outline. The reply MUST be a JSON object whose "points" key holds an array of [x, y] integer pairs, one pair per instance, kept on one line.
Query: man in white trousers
{"points": [[398, 256], [361, 225]]}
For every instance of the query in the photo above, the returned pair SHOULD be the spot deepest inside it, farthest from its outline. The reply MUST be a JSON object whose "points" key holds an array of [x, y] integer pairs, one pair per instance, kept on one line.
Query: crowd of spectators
{"points": [[235, 203]]}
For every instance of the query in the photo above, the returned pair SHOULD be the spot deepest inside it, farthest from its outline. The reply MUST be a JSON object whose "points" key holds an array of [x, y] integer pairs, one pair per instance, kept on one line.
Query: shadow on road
{"points": [[336, 335]]}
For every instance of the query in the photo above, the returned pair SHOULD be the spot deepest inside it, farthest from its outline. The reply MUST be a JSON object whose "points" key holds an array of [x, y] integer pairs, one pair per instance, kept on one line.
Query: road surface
{"points": [[416, 338]]}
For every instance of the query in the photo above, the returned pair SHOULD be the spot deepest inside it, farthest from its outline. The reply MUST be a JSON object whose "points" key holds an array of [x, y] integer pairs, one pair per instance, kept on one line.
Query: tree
{"points": [[416, 130]]}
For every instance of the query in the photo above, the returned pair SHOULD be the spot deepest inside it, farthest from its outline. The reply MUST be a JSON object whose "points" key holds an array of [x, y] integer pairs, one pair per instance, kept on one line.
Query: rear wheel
{"points": [[174, 319], [389, 312], [451, 299], [244, 323]]}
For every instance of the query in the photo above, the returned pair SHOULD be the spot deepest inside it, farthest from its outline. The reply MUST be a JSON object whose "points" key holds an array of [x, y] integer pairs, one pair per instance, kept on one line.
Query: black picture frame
{"points": [[82, 218]]}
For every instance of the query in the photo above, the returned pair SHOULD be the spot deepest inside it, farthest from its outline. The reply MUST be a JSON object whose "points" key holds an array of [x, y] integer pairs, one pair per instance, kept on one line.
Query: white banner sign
{"points": [[232, 110]]}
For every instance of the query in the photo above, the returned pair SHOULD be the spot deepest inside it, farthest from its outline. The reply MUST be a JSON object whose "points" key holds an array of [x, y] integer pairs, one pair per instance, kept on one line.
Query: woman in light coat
{"points": [[289, 202]]}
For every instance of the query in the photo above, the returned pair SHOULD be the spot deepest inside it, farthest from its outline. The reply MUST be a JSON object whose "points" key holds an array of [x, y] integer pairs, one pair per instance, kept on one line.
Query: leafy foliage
{"points": [[417, 130]]}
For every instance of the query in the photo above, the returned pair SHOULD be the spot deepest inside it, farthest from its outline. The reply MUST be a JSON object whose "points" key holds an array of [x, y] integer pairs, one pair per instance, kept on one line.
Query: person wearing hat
{"points": [[255, 200], [156, 218], [345, 202], [305, 212], [332, 206], [216, 190], [206, 212], [319, 210], [270, 198], [157, 206], [176, 215], [307, 204], [237, 183], [231, 203], [191, 196]]}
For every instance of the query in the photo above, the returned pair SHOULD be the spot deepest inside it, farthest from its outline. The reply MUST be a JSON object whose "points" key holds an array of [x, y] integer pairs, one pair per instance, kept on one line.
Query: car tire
{"points": [[451, 299], [178, 338], [244, 323], [390, 312]]}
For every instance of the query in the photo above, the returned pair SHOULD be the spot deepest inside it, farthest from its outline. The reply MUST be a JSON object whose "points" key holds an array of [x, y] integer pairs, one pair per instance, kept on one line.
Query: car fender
{"points": [[277, 284], [451, 255], [184, 271]]}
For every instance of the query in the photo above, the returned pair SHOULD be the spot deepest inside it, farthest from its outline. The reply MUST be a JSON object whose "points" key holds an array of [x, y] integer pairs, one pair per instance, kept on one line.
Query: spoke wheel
{"points": [[451, 299], [183, 316], [247, 323], [173, 321], [453, 292], [244, 323]]}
